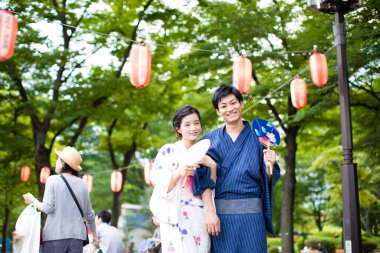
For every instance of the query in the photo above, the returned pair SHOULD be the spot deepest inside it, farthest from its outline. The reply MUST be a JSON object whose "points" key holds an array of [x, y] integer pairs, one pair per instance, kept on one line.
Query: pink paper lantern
{"points": [[44, 174], [25, 173], [141, 61], [298, 92], [116, 181], [147, 170], [242, 74], [8, 31], [87, 178], [318, 69]]}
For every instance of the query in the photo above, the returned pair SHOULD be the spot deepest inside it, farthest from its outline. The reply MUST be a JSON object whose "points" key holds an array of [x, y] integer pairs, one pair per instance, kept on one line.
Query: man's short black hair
{"points": [[104, 215], [223, 91]]}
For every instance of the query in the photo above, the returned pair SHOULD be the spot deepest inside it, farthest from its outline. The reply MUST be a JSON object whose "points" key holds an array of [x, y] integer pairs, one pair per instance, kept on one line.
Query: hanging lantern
{"points": [[318, 69], [45, 172], [25, 173], [141, 61], [87, 178], [116, 181], [298, 92], [242, 74], [147, 170], [8, 31]]}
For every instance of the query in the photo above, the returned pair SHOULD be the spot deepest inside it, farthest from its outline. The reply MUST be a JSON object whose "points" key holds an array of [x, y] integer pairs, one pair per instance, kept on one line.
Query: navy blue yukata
{"points": [[241, 174]]}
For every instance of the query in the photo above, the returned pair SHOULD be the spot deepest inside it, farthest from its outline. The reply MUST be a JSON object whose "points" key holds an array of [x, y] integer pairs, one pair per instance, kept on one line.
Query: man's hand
{"points": [[269, 159]]}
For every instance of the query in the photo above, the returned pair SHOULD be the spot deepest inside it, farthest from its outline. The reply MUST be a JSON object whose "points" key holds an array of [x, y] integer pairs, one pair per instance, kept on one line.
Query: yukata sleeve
{"points": [[202, 180], [162, 171], [276, 173]]}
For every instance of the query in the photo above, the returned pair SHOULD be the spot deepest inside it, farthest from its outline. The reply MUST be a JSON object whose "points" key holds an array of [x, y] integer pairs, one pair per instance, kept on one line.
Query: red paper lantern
{"points": [[45, 172], [87, 178], [8, 31], [25, 173], [147, 170], [141, 61], [298, 92], [242, 74], [318, 69], [116, 181]]}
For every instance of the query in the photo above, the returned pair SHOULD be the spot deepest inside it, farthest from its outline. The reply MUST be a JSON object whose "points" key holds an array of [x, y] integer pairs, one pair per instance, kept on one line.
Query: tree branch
{"points": [[133, 38], [371, 92], [61, 131]]}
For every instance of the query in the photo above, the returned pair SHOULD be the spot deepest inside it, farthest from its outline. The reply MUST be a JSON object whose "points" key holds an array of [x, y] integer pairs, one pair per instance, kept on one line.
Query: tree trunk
{"points": [[42, 156], [116, 208], [5, 229], [367, 222], [289, 190], [117, 196]]}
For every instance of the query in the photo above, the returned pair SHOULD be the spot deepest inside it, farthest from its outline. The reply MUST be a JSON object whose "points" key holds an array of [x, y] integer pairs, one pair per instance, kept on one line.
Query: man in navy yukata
{"points": [[243, 188]]}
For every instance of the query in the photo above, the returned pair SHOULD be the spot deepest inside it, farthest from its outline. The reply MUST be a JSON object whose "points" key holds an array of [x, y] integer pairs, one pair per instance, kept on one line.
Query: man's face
{"points": [[229, 108], [98, 220]]}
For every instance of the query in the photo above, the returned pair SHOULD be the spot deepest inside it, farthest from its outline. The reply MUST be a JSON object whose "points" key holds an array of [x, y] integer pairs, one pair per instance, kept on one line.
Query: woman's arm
{"points": [[29, 198], [211, 218], [185, 171]]}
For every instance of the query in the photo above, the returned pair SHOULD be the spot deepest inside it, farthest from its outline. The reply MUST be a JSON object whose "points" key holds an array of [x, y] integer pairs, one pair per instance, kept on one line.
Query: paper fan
{"points": [[266, 132], [196, 152]]}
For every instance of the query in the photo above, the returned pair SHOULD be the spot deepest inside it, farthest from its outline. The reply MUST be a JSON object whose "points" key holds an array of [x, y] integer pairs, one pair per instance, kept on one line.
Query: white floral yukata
{"points": [[181, 215]]}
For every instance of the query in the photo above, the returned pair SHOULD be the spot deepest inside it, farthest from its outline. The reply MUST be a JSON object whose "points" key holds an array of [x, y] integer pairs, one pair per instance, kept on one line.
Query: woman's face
{"points": [[58, 165], [190, 127]]}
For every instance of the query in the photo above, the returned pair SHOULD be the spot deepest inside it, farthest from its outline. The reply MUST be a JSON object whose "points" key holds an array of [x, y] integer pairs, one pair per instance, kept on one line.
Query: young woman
{"points": [[181, 215], [64, 231]]}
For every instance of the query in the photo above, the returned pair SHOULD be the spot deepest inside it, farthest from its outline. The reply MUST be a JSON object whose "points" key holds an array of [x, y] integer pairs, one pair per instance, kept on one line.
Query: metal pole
{"points": [[351, 219]]}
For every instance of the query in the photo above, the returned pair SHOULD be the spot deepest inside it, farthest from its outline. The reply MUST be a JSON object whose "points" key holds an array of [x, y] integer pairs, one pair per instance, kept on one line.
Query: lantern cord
{"points": [[137, 41], [282, 85]]}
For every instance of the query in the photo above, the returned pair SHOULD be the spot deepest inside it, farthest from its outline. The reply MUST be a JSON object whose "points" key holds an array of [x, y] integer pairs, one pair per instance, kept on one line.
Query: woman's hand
{"points": [[188, 170], [28, 198], [95, 241]]}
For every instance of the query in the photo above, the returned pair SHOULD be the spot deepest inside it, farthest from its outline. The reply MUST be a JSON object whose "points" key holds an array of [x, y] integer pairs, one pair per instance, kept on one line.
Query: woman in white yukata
{"points": [[181, 215]]}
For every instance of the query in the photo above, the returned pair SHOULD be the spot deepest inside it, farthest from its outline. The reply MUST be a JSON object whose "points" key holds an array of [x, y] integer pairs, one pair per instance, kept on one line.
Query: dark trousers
{"points": [[63, 246]]}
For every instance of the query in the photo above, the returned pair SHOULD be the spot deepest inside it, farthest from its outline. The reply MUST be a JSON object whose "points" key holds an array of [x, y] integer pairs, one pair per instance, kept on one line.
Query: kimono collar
{"points": [[180, 146], [246, 125]]}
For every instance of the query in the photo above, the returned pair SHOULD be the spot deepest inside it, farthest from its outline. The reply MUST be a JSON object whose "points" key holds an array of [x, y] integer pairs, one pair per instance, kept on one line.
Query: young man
{"points": [[244, 185], [111, 239]]}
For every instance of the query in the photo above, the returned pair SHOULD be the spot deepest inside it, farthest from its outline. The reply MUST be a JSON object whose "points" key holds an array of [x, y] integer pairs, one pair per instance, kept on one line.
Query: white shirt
{"points": [[111, 239]]}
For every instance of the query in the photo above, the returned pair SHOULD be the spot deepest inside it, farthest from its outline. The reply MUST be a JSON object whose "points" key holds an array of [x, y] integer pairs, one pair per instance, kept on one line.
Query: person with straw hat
{"points": [[64, 230]]}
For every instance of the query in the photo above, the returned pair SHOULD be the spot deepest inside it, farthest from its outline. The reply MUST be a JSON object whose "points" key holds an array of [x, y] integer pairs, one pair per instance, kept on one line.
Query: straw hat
{"points": [[70, 156]]}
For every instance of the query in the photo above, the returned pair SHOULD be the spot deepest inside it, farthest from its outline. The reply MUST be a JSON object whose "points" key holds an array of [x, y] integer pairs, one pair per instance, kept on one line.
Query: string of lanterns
{"points": [[141, 61], [116, 180]]}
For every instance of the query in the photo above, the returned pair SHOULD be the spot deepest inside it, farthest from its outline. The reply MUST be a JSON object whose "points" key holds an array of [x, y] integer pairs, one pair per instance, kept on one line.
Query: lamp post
{"points": [[351, 221]]}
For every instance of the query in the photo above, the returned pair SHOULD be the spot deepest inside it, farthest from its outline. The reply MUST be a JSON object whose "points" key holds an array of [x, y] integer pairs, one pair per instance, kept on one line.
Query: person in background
{"points": [[321, 248], [307, 248], [244, 186], [64, 231], [179, 213], [110, 238], [153, 244]]}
